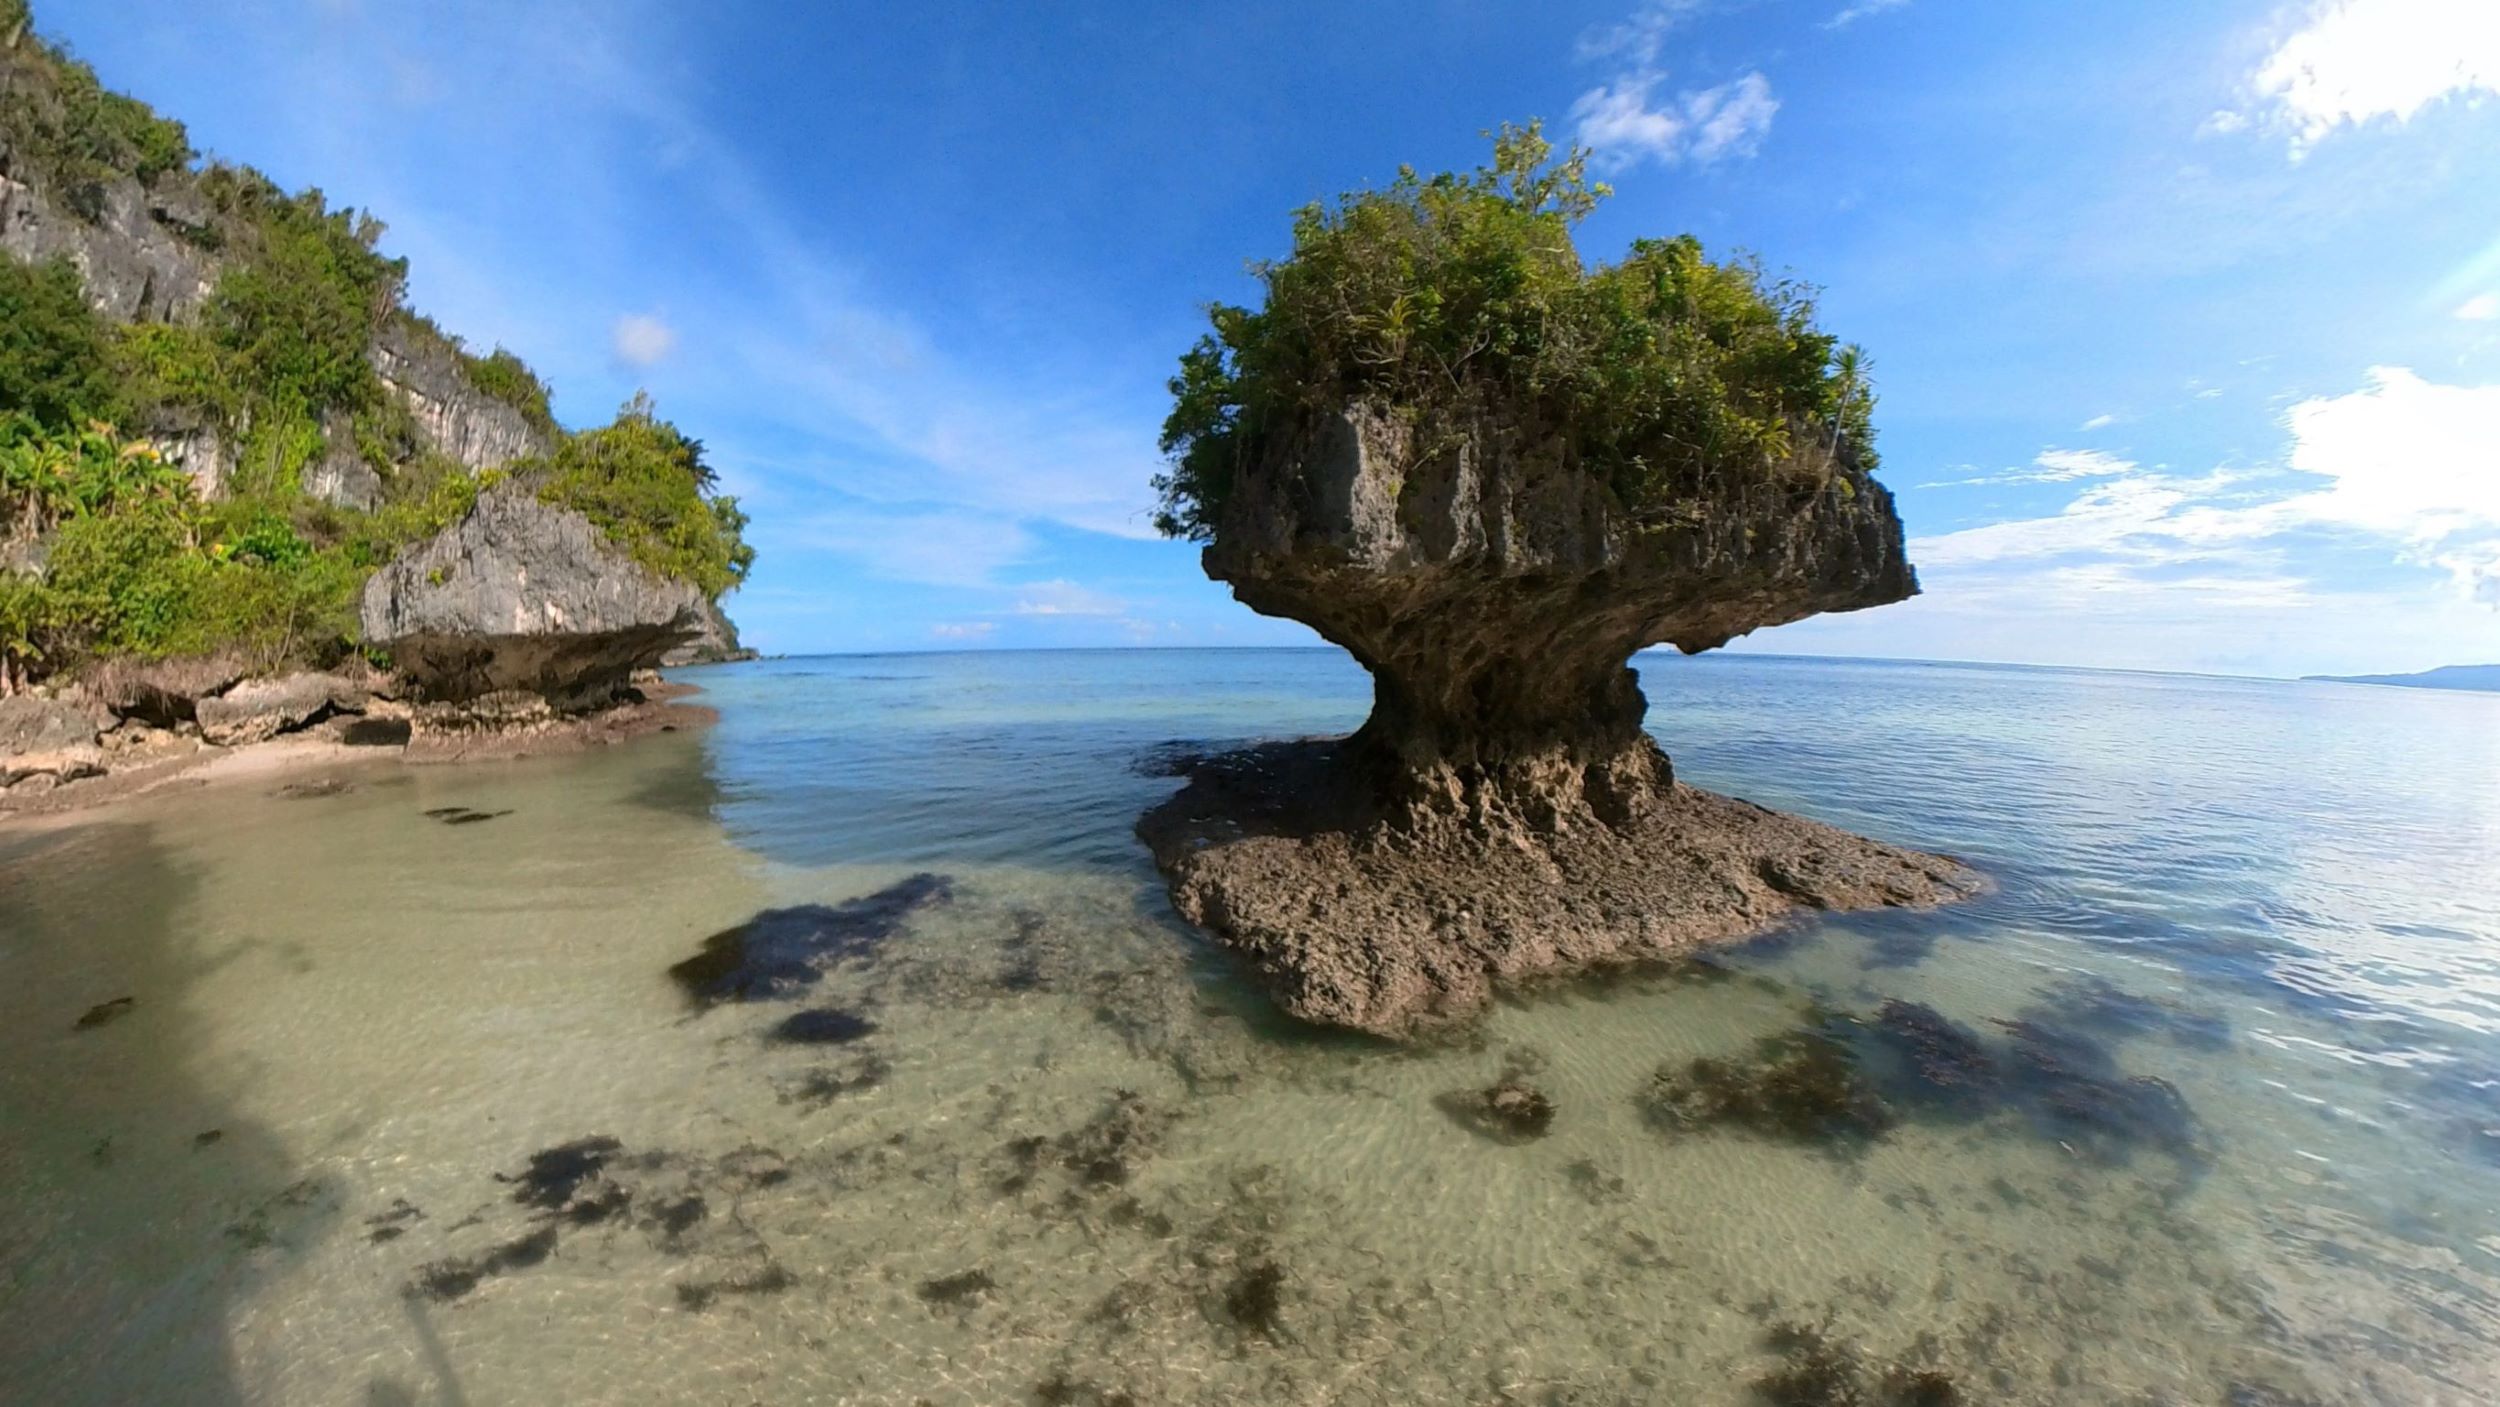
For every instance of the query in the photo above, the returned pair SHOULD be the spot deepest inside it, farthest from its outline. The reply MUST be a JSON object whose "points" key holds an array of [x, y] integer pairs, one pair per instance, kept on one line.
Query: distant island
{"points": [[2484, 678]]}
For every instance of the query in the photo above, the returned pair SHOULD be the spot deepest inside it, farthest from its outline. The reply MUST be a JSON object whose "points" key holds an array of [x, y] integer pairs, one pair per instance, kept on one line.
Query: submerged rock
{"points": [[1502, 815], [1353, 917], [781, 952], [1510, 1111], [520, 595]]}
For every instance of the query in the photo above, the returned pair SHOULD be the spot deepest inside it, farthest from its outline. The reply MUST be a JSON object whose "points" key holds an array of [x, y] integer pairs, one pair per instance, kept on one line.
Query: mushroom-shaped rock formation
{"points": [[524, 598], [1669, 454]]}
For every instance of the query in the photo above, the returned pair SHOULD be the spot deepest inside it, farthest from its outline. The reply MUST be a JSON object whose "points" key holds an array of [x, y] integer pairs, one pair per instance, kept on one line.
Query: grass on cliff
{"points": [[1461, 297]]}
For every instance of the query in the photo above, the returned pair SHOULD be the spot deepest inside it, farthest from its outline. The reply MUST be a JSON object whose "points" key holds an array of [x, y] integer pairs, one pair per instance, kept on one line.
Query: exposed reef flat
{"points": [[1353, 919]]}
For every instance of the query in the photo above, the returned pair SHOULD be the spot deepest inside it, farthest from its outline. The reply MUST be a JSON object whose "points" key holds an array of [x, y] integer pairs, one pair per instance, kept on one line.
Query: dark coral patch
{"points": [[104, 1012], [555, 1175], [780, 952], [1511, 1111], [962, 1288], [450, 1279], [1256, 1299], [822, 1026], [1802, 1086]]}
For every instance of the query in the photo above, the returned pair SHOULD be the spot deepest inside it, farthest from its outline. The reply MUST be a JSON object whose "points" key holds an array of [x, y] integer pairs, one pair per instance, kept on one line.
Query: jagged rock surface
{"points": [[1502, 814], [454, 417], [257, 710], [142, 255], [47, 740], [522, 595], [715, 643]]}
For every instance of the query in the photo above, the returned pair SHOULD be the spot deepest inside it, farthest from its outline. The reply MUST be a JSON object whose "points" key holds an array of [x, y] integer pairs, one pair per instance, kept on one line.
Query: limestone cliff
{"points": [[523, 597], [153, 250]]}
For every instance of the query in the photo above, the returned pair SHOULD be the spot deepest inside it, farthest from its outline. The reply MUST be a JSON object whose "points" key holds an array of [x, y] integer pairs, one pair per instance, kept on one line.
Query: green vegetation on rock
{"points": [[56, 357], [108, 551], [1459, 301], [646, 486]]}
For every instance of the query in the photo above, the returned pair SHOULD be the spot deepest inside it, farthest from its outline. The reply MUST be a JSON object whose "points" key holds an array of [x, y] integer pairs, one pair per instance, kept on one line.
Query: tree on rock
{"points": [[1491, 471]]}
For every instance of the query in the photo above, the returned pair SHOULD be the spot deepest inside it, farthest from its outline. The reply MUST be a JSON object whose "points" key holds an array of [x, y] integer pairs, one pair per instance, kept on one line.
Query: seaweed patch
{"points": [[1842, 1082], [1802, 1086], [822, 1026], [781, 952], [104, 1013], [963, 1288]]}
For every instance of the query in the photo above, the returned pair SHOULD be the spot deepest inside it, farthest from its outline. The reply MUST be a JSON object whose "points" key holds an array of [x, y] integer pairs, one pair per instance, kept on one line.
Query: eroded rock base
{"points": [[1371, 922]]}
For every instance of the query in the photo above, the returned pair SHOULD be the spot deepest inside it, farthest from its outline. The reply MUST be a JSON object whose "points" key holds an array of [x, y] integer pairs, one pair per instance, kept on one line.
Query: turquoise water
{"points": [[2242, 972]]}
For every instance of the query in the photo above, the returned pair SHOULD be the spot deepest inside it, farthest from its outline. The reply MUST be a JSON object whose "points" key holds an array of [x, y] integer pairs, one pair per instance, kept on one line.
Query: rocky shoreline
{"points": [[1351, 917], [518, 631], [126, 758]]}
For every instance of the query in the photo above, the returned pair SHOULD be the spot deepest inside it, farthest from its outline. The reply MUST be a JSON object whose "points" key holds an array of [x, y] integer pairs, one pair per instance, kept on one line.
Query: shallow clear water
{"points": [[1075, 1158]]}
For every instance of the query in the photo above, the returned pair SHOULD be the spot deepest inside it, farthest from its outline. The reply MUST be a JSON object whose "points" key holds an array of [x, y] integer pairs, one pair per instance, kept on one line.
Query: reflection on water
{"points": [[942, 1105]]}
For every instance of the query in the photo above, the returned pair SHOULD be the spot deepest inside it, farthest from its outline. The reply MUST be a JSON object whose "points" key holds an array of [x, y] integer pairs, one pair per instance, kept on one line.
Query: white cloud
{"points": [[2053, 466], [1066, 598], [963, 629], [932, 546], [1638, 40], [1860, 10], [642, 340], [2404, 456], [2352, 62], [2410, 471], [2482, 307], [2100, 422], [1624, 124]]}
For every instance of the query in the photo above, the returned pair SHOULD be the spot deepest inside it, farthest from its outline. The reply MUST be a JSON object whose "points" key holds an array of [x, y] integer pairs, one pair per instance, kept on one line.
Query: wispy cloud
{"points": [[2099, 422], [2400, 469], [932, 546], [2482, 307], [1066, 598], [2052, 466], [1631, 117], [1861, 10], [964, 629], [2349, 63], [641, 340], [1626, 121]]}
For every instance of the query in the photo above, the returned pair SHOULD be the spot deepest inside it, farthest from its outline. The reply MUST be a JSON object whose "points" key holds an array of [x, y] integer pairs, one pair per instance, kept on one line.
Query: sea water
{"points": [[406, 1108]]}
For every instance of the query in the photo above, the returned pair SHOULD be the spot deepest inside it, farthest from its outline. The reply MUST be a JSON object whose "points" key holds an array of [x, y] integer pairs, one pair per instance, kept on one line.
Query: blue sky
{"points": [[2186, 318]]}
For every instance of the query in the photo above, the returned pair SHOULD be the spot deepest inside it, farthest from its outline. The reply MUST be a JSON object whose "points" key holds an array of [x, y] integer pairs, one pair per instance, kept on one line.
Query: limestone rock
{"points": [[1496, 589], [454, 417], [200, 452], [1503, 816], [522, 595], [715, 643], [141, 254], [257, 710], [339, 475], [42, 737]]}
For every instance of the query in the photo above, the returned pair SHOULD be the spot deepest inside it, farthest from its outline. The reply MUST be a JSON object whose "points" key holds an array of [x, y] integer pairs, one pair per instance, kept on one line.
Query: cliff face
{"points": [[520, 596], [1496, 590], [452, 415], [142, 255], [154, 250]]}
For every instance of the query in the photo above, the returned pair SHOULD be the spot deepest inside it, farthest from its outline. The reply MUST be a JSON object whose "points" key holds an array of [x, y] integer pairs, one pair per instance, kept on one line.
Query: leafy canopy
{"points": [[1455, 297], [645, 485], [56, 359]]}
